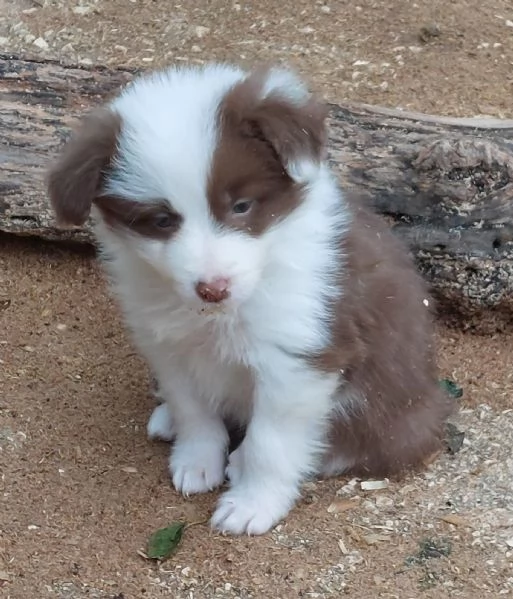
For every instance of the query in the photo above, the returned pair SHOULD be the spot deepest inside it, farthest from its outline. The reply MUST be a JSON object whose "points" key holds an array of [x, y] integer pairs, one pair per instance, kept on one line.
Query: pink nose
{"points": [[214, 291]]}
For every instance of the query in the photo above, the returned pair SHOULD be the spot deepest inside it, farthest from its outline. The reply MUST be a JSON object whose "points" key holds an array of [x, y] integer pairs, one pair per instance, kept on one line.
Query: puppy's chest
{"points": [[219, 337], [191, 334], [213, 352]]}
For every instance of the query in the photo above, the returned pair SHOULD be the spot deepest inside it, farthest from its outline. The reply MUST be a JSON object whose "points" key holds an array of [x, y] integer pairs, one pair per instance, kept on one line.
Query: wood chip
{"points": [[343, 505], [5, 576], [454, 519], [373, 539], [129, 469], [374, 485], [342, 547]]}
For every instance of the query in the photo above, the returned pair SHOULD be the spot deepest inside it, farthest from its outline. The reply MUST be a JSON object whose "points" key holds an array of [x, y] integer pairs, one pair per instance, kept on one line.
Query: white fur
{"points": [[285, 83], [240, 358], [160, 424]]}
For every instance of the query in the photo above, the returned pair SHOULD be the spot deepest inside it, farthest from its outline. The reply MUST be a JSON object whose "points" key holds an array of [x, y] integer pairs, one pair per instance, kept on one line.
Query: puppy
{"points": [[257, 291]]}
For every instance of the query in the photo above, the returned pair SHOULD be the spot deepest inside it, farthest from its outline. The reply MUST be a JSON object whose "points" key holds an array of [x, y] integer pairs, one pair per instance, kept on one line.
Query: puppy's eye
{"points": [[242, 206], [164, 220]]}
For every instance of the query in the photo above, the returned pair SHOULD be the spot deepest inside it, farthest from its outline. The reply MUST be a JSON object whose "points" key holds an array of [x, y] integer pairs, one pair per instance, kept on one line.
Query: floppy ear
{"points": [[274, 105], [75, 180]]}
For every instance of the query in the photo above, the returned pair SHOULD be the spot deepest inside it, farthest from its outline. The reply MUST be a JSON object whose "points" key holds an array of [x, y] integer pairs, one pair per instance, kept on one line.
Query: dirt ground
{"points": [[81, 488]]}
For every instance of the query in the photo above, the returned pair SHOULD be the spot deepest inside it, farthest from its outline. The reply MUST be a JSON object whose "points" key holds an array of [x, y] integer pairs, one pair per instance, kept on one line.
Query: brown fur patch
{"points": [[383, 346], [75, 183], [153, 219], [75, 180], [258, 138]]}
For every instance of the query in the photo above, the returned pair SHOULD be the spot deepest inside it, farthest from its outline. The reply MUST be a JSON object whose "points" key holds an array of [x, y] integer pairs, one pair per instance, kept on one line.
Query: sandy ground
{"points": [[81, 488]]}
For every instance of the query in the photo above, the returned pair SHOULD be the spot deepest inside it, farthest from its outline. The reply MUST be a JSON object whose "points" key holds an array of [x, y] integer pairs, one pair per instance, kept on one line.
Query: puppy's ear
{"points": [[75, 180], [274, 105]]}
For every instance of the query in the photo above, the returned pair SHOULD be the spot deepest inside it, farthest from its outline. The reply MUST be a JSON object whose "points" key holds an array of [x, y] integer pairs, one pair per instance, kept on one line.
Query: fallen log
{"points": [[444, 184]]}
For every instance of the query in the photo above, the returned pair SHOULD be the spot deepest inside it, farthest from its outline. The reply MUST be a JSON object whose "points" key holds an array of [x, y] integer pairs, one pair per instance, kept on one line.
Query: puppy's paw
{"points": [[235, 466], [160, 424], [251, 511], [197, 466]]}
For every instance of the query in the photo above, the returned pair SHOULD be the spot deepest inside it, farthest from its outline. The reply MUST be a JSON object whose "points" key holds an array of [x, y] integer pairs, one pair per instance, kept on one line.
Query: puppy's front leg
{"points": [[283, 444], [198, 456]]}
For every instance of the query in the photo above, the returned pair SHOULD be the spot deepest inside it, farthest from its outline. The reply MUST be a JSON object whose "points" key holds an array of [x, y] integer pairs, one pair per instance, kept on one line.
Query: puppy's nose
{"points": [[214, 291]]}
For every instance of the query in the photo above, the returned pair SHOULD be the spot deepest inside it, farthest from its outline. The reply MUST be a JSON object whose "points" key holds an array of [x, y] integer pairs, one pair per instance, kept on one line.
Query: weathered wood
{"points": [[445, 184]]}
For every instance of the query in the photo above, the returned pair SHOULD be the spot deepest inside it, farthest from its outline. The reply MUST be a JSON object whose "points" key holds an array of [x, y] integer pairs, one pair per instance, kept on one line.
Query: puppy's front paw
{"points": [[249, 510], [197, 466], [160, 424]]}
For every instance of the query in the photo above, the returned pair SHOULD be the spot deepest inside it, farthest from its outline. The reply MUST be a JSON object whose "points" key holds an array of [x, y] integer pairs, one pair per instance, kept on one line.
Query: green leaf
{"points": [[164, 542], [451, 388]]}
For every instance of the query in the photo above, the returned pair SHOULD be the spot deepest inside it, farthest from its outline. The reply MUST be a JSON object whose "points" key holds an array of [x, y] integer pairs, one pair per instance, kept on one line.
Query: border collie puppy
{"points": [[259, 293]]}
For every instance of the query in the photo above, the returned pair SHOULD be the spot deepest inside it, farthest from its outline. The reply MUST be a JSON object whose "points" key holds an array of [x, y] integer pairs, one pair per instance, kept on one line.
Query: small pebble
{"points": [[374, 485], [201, 31], [41, 43], [82, 10], [382, 501]]}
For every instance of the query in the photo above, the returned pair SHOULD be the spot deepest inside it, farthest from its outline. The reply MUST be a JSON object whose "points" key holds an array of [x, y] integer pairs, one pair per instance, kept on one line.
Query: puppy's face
{"points": [[193, 171]]}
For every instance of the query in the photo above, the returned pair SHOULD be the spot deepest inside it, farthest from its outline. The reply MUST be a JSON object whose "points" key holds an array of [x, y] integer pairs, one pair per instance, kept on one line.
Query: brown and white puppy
{"points": [[256, 290]]}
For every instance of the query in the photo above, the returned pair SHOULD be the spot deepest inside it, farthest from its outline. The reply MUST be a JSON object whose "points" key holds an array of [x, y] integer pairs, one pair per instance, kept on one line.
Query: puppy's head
{"points": [[195, 171]]}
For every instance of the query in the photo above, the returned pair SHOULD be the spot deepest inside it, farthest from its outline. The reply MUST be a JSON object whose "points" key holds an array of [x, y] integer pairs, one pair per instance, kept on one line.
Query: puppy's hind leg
{"points": [[335, 465], [160, 424]]}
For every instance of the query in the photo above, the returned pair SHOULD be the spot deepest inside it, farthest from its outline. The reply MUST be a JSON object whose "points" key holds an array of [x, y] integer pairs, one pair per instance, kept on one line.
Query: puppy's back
{"points": [[391, 410]]}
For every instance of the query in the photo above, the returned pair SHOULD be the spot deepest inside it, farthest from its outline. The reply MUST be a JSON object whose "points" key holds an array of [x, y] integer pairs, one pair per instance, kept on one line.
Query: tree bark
{"points": [[444, 184]]}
